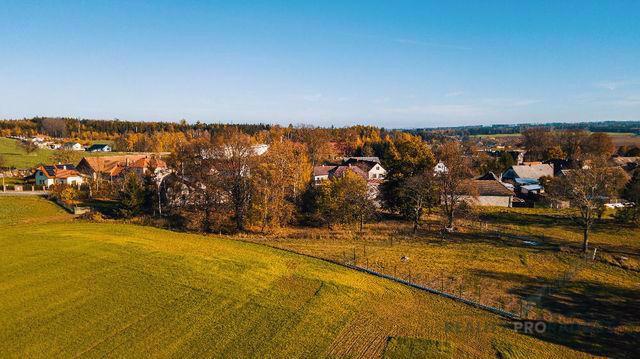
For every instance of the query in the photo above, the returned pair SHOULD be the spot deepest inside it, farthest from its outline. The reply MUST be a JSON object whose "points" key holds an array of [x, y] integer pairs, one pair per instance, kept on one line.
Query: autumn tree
{"points": [[404, 156], [63, 156], [587, 190], [278, 180], [54, 127], [599, 144], [319, 147], [194, 190], [453, 183], [573, 144], [235, 161], [537, 140], [345, 199]]}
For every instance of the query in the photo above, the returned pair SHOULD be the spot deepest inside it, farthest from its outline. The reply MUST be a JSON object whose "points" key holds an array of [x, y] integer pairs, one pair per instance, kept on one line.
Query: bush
{"points": [[64, 192], [628, 215]]}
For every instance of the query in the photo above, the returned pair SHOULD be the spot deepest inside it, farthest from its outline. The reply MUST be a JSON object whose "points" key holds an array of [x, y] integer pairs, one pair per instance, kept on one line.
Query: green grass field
{"points": [[73, 288], [14, 156]]}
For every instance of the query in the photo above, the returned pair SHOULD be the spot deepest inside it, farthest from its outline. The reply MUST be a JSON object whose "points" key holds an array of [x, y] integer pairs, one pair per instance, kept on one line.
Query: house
{"points": [[99, 148], [531, 189], [559, 165], [57, 174], [367, 159], [145, 165], [491, 192], [440, 168], [367, 167], [628, 164], [371, 165], [529, 171], [73, 146], [321, 173], [110, 167], [327, 172]]}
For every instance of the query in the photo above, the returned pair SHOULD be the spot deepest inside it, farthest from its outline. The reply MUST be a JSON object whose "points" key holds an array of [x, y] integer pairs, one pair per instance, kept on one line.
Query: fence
{"points": [[523, 312], [24, 188]]}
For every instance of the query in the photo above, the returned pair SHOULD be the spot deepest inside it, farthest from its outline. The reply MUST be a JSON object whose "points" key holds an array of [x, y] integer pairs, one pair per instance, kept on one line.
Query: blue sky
{"points": [[386, 63]]}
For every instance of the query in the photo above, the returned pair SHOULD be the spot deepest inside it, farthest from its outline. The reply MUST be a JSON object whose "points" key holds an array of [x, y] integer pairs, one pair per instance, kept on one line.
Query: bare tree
{"points": [[421, 191], [28, 147], [453, 182], [587, 190], [55, 127]]}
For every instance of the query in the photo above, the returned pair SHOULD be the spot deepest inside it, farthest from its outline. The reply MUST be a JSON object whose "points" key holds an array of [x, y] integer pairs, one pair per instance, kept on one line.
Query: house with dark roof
{"points": [[489, 191], [371, 165], [99, 148], [529, 171], [57, 174], [327, 172]]}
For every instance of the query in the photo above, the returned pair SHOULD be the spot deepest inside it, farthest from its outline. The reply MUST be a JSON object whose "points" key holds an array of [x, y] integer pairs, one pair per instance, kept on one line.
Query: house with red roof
{"points": [[57, 174]]}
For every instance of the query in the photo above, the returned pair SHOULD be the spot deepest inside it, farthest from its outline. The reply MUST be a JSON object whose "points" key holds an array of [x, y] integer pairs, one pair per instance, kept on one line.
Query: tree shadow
{"points": [[601, 319]]}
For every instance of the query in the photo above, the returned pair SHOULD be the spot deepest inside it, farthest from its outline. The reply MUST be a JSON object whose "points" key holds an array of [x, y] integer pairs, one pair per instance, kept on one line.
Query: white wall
{"points": [[377, 172]]}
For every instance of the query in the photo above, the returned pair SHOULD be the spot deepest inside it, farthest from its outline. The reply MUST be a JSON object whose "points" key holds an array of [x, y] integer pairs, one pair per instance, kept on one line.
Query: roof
{"points": [[59, 171], [489, 176], [533, 171], [363, 162], [491, 188], [368, 159], [97, 147], [112, 165], [621, 161], [147, 162], [340, 171], [532, 187], [526, 181], [323, 170]]}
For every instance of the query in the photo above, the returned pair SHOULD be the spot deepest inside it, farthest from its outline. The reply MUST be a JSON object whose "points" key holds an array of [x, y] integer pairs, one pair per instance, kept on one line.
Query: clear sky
{"points": [[389, 63]]}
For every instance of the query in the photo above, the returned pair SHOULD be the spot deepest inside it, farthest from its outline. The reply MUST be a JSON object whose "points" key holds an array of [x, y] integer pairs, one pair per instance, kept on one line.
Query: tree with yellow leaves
{"points": [[279, 179]]}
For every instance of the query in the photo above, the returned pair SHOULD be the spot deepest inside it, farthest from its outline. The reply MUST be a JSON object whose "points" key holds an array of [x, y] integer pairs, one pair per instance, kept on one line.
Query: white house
{"points": [[57, 174], [99, 148], [73, 146], [370, 165], [440, 168]]}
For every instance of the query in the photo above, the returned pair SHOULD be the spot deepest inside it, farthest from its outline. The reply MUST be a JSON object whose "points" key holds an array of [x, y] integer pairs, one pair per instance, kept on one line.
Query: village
{"points": [[489, 221], [520, 185]]}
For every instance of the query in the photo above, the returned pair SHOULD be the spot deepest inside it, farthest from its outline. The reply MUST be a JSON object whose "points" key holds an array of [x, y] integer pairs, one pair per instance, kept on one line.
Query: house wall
{"points": [[377, 172], [318, 179], [40, 178], [491, 201], [76, 180]]}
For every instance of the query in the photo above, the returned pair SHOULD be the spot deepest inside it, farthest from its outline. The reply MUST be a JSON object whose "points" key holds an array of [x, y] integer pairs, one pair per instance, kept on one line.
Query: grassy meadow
{"points": [[524, 260], [15, 156], [618, 138], [74, 288]]}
